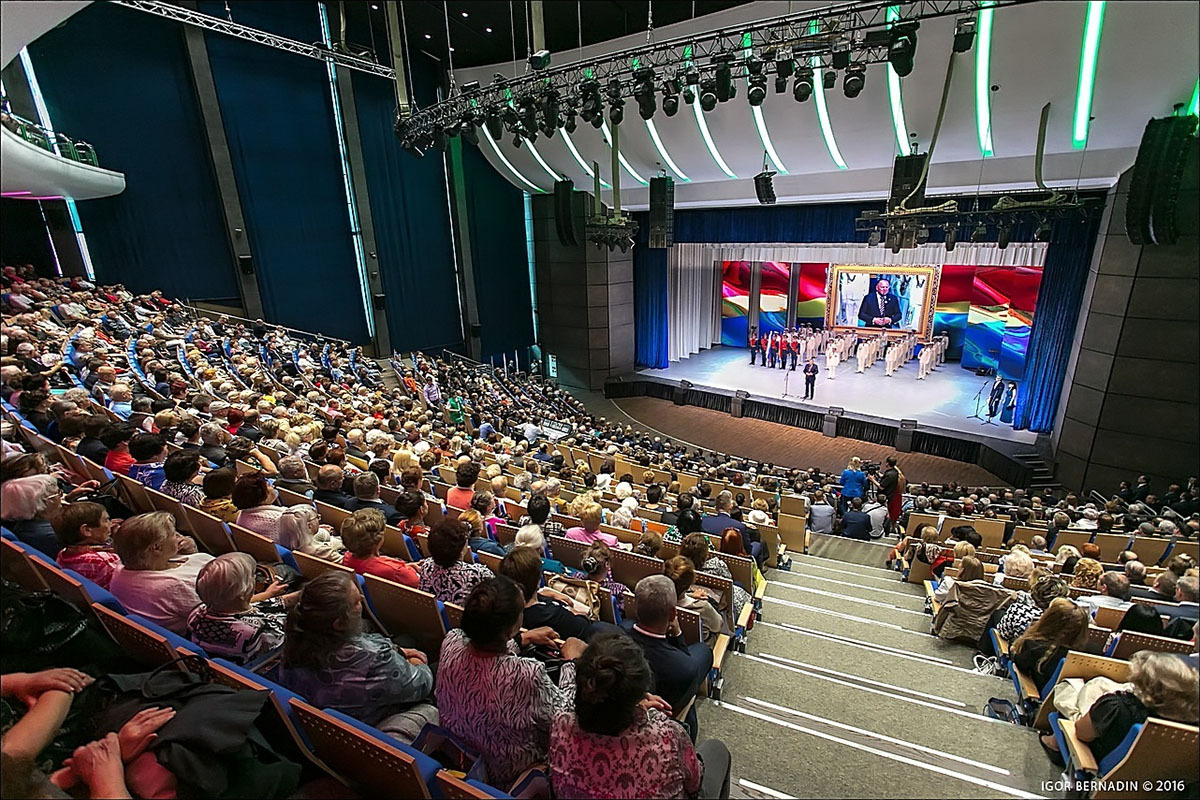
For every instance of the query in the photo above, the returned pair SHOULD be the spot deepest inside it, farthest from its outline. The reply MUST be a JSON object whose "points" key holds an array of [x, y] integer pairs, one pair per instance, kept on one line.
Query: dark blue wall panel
{"points": [[279, 123], [120, 79]]}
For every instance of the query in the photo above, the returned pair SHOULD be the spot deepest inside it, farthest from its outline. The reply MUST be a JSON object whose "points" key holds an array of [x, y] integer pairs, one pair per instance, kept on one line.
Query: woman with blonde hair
{"points": [[1087, 574], [1016, 564], [1163, 685], [854, 483], [590, 517], [1062, 627], [970, 569], [1064, 552]]}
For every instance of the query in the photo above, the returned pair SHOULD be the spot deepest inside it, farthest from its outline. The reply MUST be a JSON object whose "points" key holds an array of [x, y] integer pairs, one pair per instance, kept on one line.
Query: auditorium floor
{"points": [[843, 693], [779, 444]]}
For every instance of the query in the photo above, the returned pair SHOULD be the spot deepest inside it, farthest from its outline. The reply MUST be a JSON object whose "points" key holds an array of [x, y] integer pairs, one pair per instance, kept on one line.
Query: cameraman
{"points": [[891, 483]]}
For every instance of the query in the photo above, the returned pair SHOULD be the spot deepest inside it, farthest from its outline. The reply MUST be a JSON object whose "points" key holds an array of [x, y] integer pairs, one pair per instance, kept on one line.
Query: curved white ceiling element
{"points": [[31, 173], [22, 21], [1145, 64]]}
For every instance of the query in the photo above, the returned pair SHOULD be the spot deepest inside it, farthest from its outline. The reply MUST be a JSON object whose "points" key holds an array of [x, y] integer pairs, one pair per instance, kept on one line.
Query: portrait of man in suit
{"points": [[880, 309]]}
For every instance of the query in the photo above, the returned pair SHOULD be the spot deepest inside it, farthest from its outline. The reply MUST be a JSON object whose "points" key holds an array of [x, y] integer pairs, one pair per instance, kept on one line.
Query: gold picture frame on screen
{"points": [[912, 297]]}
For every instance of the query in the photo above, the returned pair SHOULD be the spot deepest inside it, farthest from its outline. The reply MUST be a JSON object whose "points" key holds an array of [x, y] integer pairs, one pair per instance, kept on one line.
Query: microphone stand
{"points": [[978, 397]]}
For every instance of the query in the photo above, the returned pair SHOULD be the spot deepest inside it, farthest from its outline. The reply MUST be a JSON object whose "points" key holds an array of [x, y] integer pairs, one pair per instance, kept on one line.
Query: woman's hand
{"points": [[414, 656], [82, 489], [698, 594], [28, 686], [654, 701], [543, 636], [99, 765], [140, 731], [573, 648]]}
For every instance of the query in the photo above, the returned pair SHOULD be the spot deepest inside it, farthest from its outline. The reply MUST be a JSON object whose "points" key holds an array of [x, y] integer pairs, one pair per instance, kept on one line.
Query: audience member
{"points": [[362, 534], [153, 579], [450, 573]]}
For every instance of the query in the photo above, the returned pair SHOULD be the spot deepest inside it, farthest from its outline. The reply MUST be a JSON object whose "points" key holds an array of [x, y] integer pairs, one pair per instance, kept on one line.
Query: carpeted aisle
{"points": [[843, 693]]}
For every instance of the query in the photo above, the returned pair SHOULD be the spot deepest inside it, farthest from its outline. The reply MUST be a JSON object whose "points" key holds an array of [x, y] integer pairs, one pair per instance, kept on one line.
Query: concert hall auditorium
{"points": [[749, 399]]}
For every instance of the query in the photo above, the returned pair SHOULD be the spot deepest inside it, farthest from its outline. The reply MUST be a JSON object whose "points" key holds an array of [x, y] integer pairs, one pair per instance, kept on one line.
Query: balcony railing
{"points": [[64, 145]]}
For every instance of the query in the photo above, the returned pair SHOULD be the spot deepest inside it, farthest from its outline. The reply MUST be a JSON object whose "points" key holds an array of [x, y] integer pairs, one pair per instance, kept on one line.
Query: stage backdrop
{"points": [[987, 311]]}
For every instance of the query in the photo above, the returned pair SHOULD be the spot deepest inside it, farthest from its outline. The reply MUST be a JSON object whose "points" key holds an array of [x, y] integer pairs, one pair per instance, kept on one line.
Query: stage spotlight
{"points": [[592, 105], [1004, 235], [829, 79], [725, 88], [803, 88], [841, 59], [551, 120], [780, 84], [517, 141], [708, 94], [569, 123], [757, 91], [1043, 232], [903, 48], [964, 34], [922, 236], [873, 239], [495, 125], [527, 110], [785, 65], [616, 111], [643, 92], [852, 84], [670, 101], [691, 77], [951, 238], [689, 95], [980, 233]]}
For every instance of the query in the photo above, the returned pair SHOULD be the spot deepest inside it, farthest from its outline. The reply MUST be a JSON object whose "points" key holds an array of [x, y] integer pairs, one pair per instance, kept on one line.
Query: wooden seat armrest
{"points": [[1002, 646], [719, 648], [681, 714], [747, 614], [1081, 754], [1029, 689]]}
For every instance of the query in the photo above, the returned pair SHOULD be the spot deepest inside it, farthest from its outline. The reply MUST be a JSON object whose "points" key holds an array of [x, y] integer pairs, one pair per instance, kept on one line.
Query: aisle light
{"points": [[983, 80], [893, 82], [1087, 73], [662, 151], [708, 140], [579, 159], [608, 140]]}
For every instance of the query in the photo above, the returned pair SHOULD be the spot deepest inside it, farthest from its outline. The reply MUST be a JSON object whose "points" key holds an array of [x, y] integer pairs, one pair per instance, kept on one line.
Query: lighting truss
{"points": [[812, 36], [246, 33]]}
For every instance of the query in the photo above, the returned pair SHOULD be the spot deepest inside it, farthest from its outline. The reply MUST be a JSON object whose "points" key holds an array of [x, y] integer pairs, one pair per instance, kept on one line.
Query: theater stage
{"points": [[942, 402]]}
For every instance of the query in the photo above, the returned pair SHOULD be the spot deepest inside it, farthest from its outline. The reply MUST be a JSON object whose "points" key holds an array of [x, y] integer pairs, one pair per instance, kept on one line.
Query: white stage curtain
{"points": [[694, 275]]}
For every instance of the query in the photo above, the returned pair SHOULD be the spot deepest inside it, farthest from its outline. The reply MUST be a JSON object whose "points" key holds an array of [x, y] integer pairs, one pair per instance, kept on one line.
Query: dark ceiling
{"points": [[482, 31]]}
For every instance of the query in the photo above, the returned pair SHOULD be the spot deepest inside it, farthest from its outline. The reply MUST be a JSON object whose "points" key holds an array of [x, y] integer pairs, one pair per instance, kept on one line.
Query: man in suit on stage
{"points": [[810, 379], [880, 309]]}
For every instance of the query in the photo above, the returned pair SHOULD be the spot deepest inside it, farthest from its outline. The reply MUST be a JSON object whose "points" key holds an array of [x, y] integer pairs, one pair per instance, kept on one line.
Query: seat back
{"points": [[311, 566], [137, 640], [568, 551], [96, 472], [1150, 549], [1076, 539], [992, 531], [374, 763], [17, 566], [164, 502], [919, 572], [404, 610], [211, 532], [916, 520], [629, 568], [1108, 617], [689, 624], [1162, 751], [72, 587], [1112, 545], [254, 544], [791, 531], [134, 494], [1182, 548], [332, 515], [290, 498], [394, 543], [452, 787], [1084, 666], [1130, 642]]}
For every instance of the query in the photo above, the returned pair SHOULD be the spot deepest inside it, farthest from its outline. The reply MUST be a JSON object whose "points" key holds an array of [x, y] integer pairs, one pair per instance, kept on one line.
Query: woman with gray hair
{"points": [[300, 529], [30, 507], [232, 621], [154, 580]]}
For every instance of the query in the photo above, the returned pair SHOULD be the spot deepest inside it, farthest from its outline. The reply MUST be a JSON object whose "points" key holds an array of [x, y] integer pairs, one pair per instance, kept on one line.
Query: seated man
{"points": [[1114, 593], [678, 668], [877, 510], [366, 495], [1162, 591], [856, 523], [329, 487]]}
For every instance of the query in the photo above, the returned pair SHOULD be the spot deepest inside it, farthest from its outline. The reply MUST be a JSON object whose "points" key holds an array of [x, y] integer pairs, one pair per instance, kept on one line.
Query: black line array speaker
{"points": [[679, 396], [735, 405], [246, 264], [904, 435], [764, 187], [564, 221], [662, 212], [1157, 174], [906, 174]]}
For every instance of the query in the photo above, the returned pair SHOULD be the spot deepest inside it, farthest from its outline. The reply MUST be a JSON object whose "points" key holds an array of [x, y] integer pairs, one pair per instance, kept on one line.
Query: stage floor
{"points": [[945, 399]]}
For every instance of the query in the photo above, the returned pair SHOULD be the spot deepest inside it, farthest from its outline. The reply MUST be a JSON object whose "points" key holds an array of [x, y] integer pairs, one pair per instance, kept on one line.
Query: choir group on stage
{"points": [[802, 346]]}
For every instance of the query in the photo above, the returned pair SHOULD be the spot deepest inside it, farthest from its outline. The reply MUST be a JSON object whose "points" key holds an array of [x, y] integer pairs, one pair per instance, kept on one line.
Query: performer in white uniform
{"points": [[854, 288]]}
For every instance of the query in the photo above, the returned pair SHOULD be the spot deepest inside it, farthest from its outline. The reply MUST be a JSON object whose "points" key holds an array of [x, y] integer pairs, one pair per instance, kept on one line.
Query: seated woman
{"points": [[362, 533], [497, 702], [1164, 685], [1029, 607], [970, 569], [300, 529], [616, 739], [30, 506], [531, 536], [182, 472], [232, 621], [450, 573], [946, 558], [332, 663], [733, 544], [589, 531], [649, 544], [695, 547], [218, 487], [1017, 564], [255, 498], [596, 565], [1062, 627], [153, 580], [682, 573], [544, 607], [84, 530], [477, 536], [1087, 574]]}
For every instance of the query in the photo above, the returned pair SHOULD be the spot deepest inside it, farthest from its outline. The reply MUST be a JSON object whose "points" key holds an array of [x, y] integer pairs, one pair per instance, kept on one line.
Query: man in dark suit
{"points": [[1163, 590], [810, 379], [717, 523], [329, 487], [880, 309], [679, 668], [856, 523], [366, 495]]}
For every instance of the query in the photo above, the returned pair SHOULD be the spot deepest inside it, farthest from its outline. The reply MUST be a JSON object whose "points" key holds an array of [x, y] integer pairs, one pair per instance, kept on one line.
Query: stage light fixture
{"points": [[893, 238], [527, 111], [470, 133], [670, 100], [689, 95], [964, 34], [852, 84], [643, 92], [616, 110], [921, 236], [828, 79], [725, 88], [569, 123], [951, 238], [903, 48], [708, 94], [873, 239], [1043, 232], [495, 125], [517, 141], [841, 58], [551, 120], [540, 60], [691, 77], [470, 87], [980, 233], [780, 84], [1003, 235], [757, 90], [592, 105], [803, 88]]}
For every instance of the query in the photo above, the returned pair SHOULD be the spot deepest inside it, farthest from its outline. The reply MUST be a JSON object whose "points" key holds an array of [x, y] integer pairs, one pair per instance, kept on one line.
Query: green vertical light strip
{"points": [[983, 79], [760, 121], [662, 151], [579, 159], [893, 14], [533, 304], [1087, 73], [1193, 107], [495, 149], [708, 140], [608, 140]]}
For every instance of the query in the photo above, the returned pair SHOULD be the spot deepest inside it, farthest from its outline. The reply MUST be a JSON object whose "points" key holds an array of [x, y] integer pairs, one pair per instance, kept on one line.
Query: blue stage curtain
{"points": [[650, 307], [496, 216], [120, 79], [412, 227], [282, 137], [1064, 278]]}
